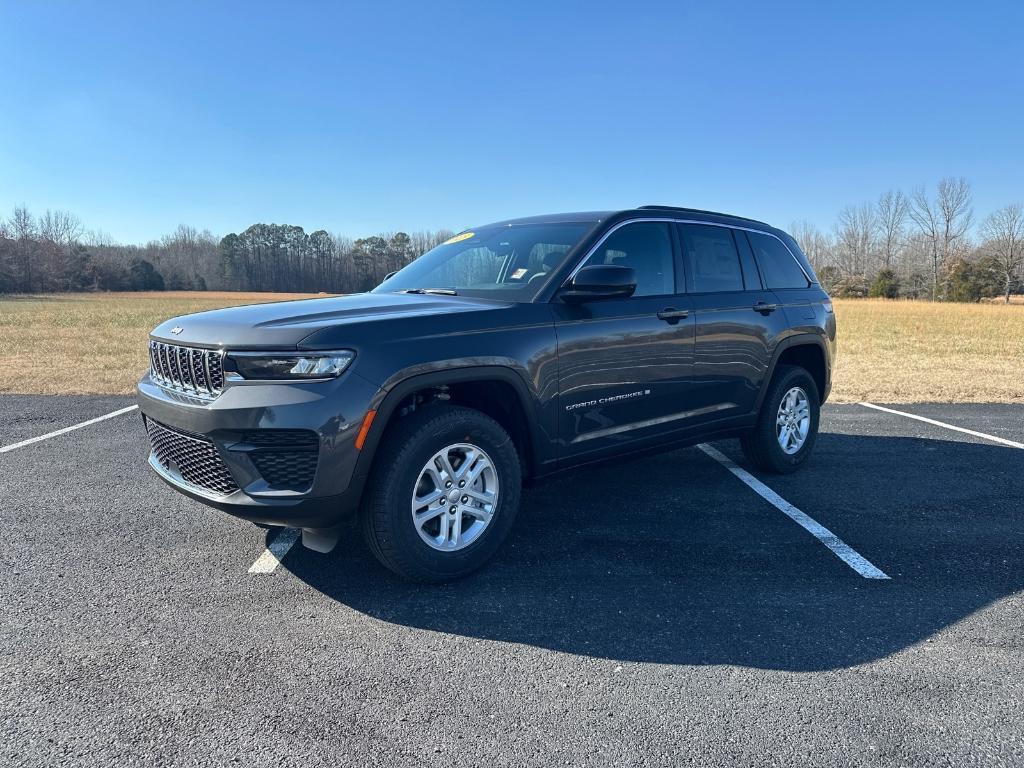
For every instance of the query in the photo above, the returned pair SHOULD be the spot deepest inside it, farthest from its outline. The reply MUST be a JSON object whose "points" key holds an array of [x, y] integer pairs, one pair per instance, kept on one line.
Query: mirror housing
{"points": [[599, 281]]}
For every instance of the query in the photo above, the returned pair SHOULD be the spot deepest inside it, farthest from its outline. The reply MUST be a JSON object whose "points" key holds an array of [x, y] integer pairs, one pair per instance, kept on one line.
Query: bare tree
{"points": [[60, 227], [957, 215], [891, 221], [855, 239], [944, 221], [815, 245], [926, 217], [98, 238], [1004, 241], [59, 234], [7, 267], [23, 230], [22, 223], [188, 255]]}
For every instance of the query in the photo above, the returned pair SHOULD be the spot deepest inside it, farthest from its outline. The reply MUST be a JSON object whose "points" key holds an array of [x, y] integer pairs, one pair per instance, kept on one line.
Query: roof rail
{"points": [[695, 210]]}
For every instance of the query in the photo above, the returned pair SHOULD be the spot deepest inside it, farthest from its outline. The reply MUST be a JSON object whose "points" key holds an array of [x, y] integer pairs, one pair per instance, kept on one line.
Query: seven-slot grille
{"points": [[193, 457], [187, 369]]}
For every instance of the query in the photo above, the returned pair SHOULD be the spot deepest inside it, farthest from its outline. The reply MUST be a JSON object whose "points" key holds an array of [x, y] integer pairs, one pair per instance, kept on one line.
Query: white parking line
{"points": [[275, 551], [839, 548], [982, 435], [48, 435]]}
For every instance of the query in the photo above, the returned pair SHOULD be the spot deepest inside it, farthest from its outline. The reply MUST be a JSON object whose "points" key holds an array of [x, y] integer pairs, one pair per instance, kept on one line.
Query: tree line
{"points": [[920, 245], [925, 244], [54, 253]]}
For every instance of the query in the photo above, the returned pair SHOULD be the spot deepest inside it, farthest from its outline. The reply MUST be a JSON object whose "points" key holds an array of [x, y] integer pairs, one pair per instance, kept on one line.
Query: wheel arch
{"points": [[473, 386], [808, 351]]}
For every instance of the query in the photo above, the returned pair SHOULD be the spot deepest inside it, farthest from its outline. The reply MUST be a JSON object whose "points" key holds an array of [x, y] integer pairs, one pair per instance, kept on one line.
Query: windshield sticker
{"points": [[458, 238], [518, 274]]}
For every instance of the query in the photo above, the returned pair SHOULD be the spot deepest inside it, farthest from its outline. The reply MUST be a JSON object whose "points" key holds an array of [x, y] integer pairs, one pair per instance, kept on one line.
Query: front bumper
{"points": [[333, 410]]}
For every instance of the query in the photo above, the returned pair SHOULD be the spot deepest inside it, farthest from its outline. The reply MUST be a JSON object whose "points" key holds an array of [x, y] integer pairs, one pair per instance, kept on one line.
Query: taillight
{"points": [[827, 304]]}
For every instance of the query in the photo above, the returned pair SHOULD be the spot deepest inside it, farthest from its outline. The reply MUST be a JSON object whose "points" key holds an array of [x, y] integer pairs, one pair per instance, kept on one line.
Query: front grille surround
{"points": [[193, 458], [192, 370]]}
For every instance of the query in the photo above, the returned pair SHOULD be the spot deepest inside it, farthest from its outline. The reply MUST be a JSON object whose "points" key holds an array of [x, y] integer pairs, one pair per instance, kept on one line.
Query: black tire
{"points": [[408, 445], [761, 445]]}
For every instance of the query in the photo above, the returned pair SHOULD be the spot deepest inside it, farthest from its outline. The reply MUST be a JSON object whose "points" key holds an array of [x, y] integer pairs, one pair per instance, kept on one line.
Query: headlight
{"points": [[288, 366]]}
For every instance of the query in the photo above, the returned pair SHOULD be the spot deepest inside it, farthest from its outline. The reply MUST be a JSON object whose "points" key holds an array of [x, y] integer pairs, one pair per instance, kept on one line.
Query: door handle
{"points": [[671, 315], [765, 308]]}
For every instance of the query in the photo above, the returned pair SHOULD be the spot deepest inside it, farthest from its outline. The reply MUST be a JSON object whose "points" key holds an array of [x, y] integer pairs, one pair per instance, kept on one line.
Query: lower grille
{"points": [[287, 471], [285, 458], [194, 458]]}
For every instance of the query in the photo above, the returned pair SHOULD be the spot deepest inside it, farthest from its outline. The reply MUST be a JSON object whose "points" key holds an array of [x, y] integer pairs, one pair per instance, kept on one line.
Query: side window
{"points": [[779, 267], [711, 258], [647, 248]]}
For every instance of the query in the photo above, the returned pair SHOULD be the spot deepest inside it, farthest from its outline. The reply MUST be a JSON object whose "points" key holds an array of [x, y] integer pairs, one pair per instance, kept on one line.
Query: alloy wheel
{"points": [[455, 497], [793, 422]]}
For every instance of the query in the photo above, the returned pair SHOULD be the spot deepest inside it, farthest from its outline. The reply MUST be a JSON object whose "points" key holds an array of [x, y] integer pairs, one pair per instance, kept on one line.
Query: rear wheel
{"points": [[443, 493], [787, 426]]}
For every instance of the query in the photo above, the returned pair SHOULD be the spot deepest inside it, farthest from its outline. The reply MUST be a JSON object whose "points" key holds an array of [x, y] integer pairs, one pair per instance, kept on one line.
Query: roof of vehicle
{"points": [[700, 212], [580, 217], [593, 217]]}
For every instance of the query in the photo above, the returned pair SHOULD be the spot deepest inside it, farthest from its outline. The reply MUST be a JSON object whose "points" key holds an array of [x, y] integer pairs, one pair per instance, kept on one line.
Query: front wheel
{"points": [[787, 426], [443, 493]]}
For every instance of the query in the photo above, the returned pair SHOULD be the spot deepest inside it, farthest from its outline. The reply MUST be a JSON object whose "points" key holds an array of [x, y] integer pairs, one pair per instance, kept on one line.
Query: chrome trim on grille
{"points": [[194, 371]]}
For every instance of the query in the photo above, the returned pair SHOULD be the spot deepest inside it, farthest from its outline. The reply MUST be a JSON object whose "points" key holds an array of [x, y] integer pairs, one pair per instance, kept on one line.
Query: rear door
{"points": [[738, 321], [784, 276], [624, 365]]}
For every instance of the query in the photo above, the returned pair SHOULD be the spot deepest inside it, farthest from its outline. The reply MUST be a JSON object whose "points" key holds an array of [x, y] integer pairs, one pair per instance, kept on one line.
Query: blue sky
{"points": [[379, 116]]}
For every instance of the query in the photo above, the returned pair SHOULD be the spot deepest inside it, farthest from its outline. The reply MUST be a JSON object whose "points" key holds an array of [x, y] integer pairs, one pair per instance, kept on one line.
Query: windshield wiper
{"points": [[441, 291]]}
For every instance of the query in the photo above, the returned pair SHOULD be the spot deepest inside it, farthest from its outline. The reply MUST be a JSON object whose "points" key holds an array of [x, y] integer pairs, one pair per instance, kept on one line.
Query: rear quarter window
{"points": [[778, 266]]}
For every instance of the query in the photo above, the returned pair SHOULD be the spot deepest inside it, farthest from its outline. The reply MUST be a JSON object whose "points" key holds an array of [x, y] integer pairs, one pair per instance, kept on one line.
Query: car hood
{"points": [[285, 324]]}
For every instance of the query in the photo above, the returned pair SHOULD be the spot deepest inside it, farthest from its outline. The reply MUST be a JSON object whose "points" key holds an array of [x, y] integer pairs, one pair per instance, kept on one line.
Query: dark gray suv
{"points": [[508, 353]]}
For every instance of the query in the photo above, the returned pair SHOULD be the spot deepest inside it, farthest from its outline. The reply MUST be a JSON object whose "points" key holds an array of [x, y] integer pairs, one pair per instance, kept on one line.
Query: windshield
{"points": [[509, 262]]}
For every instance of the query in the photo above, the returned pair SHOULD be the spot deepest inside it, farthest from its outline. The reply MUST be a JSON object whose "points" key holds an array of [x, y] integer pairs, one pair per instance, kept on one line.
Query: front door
{"points": [[625, 364]]}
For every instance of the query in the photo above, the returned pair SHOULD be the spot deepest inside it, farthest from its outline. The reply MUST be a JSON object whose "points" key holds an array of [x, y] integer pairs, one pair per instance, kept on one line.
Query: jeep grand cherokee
{"points": [[509, 353]]}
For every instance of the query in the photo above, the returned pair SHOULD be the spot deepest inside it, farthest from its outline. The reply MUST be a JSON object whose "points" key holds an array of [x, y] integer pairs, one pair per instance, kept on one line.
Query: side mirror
{"points": [[599, 281]]}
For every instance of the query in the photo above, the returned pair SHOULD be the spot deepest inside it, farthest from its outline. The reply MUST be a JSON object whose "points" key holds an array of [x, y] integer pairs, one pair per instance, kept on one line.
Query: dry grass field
{"points": [[92, 343], [915, 351], [889, 351]]}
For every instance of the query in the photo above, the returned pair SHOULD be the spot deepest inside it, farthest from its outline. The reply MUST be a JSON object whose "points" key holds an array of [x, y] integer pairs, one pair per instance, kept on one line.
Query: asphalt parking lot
{"points": [[657, 613]]}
